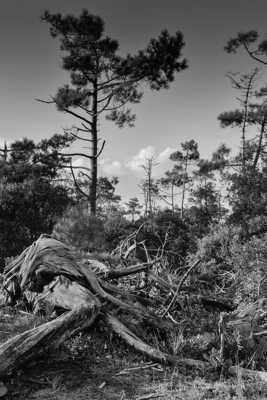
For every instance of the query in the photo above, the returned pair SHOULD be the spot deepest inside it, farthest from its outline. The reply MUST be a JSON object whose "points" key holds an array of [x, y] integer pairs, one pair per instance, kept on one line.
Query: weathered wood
{"points": [[179, 286], [150, 351], [135, 309], [39, 264], [133, 269], [65, 294], [34, 342], [50, 275], [215, 302]]}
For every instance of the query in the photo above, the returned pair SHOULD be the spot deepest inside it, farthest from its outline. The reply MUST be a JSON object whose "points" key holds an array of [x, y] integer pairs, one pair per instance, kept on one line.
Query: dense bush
{"points": [[233, 264], [167, 230], [249, 261], [27, 210], [78, 229], [116, 228], [88, 233]]}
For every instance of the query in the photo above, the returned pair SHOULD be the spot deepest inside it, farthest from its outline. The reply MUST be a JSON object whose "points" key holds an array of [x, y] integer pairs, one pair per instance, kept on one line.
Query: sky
{"points": [[30, 68]]}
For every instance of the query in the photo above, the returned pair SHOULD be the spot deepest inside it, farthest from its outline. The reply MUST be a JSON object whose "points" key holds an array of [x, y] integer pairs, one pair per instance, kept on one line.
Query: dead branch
{"points": [[133, 269], [179, 286]]}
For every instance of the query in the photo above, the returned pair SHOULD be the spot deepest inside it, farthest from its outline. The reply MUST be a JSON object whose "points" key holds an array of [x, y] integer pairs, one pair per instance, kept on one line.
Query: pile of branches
{"points": [[52, 279]]}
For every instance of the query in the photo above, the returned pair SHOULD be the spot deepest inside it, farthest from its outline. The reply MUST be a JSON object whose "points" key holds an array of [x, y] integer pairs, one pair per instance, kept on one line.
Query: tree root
{"points": [[34, 342], [153, 353], [49, 273]]}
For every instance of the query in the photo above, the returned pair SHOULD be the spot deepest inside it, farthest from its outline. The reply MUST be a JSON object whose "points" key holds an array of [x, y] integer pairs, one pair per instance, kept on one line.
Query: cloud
{"points": [[111, 168], [161, 159], [140, 158], [78, 162], [107, 166], [165, 154]]}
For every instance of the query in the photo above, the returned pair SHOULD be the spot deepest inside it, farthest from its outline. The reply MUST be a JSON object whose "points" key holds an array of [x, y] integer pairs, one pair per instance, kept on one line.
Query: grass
{"points": [[178, 387]]}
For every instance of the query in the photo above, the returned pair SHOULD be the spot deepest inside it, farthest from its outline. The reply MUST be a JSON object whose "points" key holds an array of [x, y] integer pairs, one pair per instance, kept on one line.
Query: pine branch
{"points": [[252, 54], [77, 116]]}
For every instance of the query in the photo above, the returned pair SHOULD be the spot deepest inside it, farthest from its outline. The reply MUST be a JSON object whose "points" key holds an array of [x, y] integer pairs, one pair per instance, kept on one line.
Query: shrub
{"points": [[80, 230], [234, 264], [116, 227], [88, 233]]}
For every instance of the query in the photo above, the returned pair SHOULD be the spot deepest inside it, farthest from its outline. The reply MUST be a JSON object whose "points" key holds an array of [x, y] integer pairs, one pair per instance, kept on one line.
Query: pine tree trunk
{"points": [[93, 183], [183, 192], [172, 196]]}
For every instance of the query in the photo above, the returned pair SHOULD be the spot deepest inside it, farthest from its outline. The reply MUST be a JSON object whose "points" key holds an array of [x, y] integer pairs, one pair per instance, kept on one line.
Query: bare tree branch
{"points": [[259, 147], [87, 176], [180, 285], [102, 148], [252, 54], [76, 154], [77, 184], [76, 136], [76, 167], [77, 116]]}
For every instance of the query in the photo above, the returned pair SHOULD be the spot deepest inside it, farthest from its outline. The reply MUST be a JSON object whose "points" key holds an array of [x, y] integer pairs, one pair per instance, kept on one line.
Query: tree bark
{"points": [[35, 342], [150, 351], [93, 182]]}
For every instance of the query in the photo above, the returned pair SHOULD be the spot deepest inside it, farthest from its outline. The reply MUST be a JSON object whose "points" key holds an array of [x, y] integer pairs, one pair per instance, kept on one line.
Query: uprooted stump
{"points": [[48, 276], [35, 342]]}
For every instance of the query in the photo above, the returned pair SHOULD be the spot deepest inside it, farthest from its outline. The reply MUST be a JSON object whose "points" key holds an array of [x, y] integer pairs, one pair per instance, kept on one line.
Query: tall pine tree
{"points": [[103, 82]]}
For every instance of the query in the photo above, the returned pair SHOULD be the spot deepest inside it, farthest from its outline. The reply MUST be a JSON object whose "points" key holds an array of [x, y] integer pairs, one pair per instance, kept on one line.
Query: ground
{"points": [[96, 365]]}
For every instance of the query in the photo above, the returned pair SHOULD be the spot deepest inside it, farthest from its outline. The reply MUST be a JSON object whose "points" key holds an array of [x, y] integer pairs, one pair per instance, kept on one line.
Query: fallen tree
{"points": [[50, 278]]}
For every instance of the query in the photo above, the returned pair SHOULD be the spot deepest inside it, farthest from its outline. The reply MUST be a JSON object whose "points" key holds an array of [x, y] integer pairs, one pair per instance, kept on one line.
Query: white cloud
{"points": [[140, 158], [111, 168], [107, 166], [78, 162], [161, 159], [165, 154]]}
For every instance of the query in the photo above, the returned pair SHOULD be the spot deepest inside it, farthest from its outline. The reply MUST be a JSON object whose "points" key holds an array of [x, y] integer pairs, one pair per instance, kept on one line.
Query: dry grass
{"points": [[178, 387]]}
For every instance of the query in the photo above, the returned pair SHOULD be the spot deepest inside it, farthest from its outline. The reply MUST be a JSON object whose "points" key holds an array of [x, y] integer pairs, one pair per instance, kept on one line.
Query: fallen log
{"points": [[35, 342], [51, 276], [150, 351], [131, 270]]}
